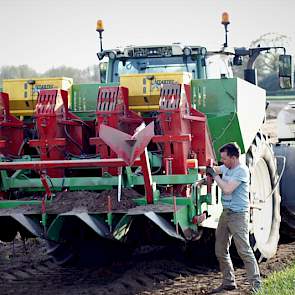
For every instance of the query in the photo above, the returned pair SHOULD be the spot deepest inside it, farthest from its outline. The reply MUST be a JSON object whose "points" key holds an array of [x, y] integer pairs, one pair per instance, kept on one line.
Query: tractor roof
{"points": [[175, 49]]}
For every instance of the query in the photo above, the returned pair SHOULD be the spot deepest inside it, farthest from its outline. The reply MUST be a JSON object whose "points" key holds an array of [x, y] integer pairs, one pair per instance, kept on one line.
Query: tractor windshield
{"points": [[153, 65]]}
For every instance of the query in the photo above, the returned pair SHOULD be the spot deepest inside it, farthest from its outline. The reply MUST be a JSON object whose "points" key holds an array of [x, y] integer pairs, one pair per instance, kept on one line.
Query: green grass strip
{"points": [[280, 283]]}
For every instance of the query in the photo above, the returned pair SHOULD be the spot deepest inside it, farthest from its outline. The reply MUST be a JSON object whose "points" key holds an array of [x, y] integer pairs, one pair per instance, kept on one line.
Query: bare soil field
{"points": [[159, 272]]}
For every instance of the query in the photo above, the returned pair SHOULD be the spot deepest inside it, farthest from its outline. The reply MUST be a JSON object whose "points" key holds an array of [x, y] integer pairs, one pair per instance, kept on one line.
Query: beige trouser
{"points": [[235, 225]]}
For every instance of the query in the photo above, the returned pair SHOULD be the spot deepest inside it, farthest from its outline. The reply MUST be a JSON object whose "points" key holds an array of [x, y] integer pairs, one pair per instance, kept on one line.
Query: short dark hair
{"points": [[232, 149]]}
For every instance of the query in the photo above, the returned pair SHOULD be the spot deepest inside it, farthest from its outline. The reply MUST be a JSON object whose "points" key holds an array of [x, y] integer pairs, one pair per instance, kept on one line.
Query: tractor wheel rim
{"points": [[261, 188]]}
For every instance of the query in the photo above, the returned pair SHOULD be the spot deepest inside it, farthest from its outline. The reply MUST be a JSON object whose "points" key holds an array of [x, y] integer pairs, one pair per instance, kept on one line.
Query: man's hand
{"points": [[210, 171]]}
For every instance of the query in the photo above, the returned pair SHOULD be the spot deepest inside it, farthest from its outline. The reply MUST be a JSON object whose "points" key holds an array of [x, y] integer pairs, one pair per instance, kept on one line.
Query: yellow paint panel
{"points": [[23, 96], [144, 89]]}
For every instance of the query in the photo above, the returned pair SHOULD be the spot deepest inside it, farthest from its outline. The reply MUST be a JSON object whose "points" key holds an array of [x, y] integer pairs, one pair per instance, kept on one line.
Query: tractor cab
{"points": [[175, 58]]}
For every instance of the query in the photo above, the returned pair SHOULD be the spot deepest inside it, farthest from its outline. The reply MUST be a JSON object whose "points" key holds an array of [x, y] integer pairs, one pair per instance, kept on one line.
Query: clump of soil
{"points": [[23, 209], [81, 200], [22, 252], [92, 202]]}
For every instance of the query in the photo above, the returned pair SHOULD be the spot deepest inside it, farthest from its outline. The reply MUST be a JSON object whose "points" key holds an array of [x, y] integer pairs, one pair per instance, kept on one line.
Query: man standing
{"points": [[234, 220]]}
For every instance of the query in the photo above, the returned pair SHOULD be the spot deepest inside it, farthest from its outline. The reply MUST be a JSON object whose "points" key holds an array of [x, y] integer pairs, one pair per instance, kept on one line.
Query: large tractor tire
{"points": [[81, 246], [265, 199], [79, 253], [61, 253], [287, 153]]}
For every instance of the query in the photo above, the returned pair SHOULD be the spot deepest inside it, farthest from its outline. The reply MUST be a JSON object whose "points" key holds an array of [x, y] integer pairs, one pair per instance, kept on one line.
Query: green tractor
{"points": [[128, 169]]}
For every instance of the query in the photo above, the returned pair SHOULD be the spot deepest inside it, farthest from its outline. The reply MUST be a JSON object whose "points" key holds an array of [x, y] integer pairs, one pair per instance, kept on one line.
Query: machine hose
{"points": [[26, 140], [72, 139], [279, 179], [84, 156], [50, 180], [82, 123]]}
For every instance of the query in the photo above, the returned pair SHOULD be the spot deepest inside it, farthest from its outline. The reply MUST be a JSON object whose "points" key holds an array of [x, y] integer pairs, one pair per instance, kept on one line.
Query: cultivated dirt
{"points": [[92, 202], [159, 272], [83, 201]]}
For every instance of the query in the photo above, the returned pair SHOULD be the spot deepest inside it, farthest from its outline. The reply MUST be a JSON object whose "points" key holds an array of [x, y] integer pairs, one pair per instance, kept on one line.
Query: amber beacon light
{"points": [[225, 22], [225, 18], [99, 26], [100, 29]]}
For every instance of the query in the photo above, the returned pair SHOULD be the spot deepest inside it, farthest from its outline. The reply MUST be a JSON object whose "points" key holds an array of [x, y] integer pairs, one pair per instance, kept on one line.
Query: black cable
{"points": [[52, 186], [72, 139], [82, 122], [84, 156], [22, 146]]}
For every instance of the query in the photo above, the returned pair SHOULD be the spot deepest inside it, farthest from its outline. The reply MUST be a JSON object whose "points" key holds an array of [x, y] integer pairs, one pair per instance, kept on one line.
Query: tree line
{"points": [[87, 75]]}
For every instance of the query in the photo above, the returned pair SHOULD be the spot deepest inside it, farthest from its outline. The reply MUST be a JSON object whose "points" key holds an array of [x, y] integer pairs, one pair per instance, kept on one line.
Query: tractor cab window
{"points": [[153, 65]]}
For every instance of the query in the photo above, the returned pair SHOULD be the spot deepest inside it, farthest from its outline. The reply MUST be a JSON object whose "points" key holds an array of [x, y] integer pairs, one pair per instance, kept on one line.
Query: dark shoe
{"points": [[255, 289], [222, 288]]}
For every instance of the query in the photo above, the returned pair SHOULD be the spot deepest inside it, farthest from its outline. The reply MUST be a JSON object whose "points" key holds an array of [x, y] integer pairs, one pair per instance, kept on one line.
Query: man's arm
{"points": [[226, 186]]}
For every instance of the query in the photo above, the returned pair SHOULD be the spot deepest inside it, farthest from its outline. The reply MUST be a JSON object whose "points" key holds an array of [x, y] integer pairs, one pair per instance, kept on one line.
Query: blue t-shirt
{"points": [[238, 200]]}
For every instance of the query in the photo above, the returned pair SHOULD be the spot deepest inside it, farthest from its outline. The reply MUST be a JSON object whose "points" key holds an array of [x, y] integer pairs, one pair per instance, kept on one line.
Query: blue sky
{"points": [[45, 34]]}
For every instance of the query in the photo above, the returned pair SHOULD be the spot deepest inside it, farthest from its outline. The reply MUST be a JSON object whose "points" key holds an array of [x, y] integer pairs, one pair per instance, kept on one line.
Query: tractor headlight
{"points": [[203, 50], [187, 51], [112, 55]]}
